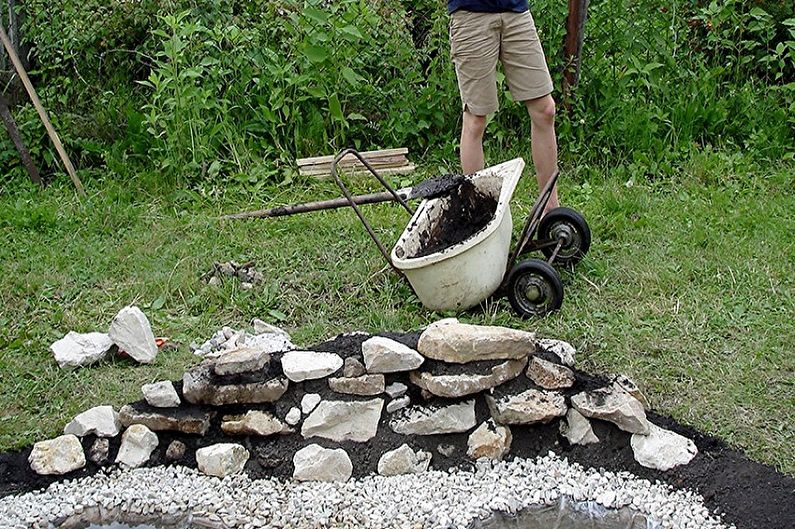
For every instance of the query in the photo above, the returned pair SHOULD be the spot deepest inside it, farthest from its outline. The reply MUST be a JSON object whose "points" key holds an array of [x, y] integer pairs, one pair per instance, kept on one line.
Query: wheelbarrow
{"points": [[464, 275]]}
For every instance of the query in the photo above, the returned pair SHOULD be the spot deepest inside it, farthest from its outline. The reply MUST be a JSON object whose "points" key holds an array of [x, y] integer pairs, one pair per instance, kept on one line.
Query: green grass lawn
{"points": [[689, 288]]}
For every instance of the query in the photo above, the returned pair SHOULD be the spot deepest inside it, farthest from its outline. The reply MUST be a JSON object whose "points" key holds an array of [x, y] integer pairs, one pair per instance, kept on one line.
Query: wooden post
{"points": [[575, 32], [16, 137], [56, 140]]}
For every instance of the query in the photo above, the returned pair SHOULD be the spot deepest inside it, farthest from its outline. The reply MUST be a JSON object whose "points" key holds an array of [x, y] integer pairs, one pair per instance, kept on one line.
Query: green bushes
{"points": [[196, 90]]}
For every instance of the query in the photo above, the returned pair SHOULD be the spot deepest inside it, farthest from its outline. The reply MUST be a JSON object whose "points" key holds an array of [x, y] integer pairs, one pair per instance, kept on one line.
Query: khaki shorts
{"points": [[478, 40]]}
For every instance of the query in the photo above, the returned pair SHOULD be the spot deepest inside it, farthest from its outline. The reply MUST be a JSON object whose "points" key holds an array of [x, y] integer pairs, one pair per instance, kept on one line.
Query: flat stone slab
{"points": [[199, 388], [57, 456], [548, 375], [254, 422], [460, 343], [78, 350], [382, 355], [662, 449], [344, 421], [315, 463], [241, 360], [310, 365], [529, 407], [365, 385], [432, 420], [455, 386], [190, 420], [161, 394], [615, 405]]}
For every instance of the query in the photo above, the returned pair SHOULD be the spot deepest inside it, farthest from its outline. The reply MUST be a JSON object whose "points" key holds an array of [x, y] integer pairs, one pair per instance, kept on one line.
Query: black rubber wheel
{"points": [[534, 289], [569, 225]]}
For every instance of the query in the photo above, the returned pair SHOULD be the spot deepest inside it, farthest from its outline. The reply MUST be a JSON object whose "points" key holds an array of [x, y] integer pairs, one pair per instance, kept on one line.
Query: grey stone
{"points": [[396, 389], [461, 343], [432, 420], [529, 407], [549, 375], [563, 350], [344, 421], [57, 456], [102, 421], [577, 429], [403, 460], [455, 386], [198, 388], [176, 450], [293, 416], [489, 440], [309, 365], [382, 355], [309, 402], [137, 444], [398, 404], [615, 405], [185, 420], [662, 449], [98, 453], [630, 387], [77, 350], [365, 385], [254, 422], [241, 360], [161, 394], [353, 368], [222, 460], [315, 463], [131, 331], [261, 327]]}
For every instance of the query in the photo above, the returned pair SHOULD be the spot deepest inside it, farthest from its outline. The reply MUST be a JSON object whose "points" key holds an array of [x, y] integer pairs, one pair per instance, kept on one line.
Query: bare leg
{"points": [[472, 159], [544, 143]]}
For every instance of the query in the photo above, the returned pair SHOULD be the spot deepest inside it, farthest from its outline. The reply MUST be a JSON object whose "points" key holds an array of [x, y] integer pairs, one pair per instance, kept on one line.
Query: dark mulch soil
{"points": [[467, 211], [748, 494]]}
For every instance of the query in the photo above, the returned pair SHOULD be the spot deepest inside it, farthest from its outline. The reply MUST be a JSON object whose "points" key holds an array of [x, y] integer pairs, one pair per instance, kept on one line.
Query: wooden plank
{"points": [[319, 169], [353, 161], [388, 171], [366, 155]]}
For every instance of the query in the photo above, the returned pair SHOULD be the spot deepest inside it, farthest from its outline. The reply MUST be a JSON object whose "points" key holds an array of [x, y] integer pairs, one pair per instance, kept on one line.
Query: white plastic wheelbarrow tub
{"points": [[462, 275]]}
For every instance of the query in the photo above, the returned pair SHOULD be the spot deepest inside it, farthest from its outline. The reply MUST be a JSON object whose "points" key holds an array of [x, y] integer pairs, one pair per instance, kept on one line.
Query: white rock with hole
{"points": [[315, 463], [161, 394], [222, 460], [403, 460], [382, 355], [662, 449], [102, 421], [137, 445], [309, 365], [77, 350], [132, 332], [57, 456]]}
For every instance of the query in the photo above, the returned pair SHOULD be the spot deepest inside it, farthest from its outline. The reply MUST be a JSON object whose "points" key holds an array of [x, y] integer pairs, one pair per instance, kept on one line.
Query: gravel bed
{"points": [[434, 499]]}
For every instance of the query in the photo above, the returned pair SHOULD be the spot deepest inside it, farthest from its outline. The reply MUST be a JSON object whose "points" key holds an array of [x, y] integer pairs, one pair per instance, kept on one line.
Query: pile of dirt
{"points": [[467, 211]]}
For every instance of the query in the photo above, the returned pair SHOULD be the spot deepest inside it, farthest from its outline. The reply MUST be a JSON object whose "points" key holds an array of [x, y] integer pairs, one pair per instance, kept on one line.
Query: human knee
{"points": [[542, 111], [474, 126]]}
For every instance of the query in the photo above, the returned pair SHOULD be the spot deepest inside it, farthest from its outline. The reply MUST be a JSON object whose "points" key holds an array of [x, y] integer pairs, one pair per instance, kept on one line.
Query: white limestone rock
{"points": [[222, 460], [662, 449], [365, 385], [309, 365], [137, 445], [102, 421], [490, 440], [161, 394], [630, 387], [261, 327], [131, 331], [548, 375], [352, 368], [398, 404], [403, 460], [344, 421], [396, 389], [577, 429], [315, 463], [456, 386], [57, 456], [461, 343], [78, 350], [293, 416], [615, 405], [529, 407], [241, 360], [254, 422], [309, 402], [564, 350], [421, 420], [382, 355]]}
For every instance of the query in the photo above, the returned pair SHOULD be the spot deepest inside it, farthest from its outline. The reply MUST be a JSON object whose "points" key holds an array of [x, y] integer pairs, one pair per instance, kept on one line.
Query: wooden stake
{"points": [[23, 75], [16, 137]]}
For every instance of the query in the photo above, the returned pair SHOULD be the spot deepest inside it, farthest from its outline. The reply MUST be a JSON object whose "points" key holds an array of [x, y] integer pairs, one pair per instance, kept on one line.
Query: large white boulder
{"points": [[131, 331], [460, 343], [421, 420], [613, 404], [57, 456], [309, 365], [662, 449], [403, 460], [382, 355], [102, 421], [137, 445], [344, 421], [77, 350], [315, 463], [221, 460], [161, 394]]}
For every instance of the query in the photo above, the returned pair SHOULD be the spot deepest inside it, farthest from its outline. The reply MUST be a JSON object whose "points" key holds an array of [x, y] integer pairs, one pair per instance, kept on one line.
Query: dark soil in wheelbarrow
{"points": [[466, 212]]}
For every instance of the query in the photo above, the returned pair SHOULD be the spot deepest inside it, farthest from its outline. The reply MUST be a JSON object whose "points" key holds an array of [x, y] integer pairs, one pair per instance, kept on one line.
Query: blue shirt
{"points": [[488, 6]]}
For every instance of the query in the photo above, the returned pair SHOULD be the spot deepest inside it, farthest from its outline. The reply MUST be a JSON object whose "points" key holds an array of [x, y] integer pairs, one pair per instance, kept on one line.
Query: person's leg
{"points": [[544, 143], [472, 159]]}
